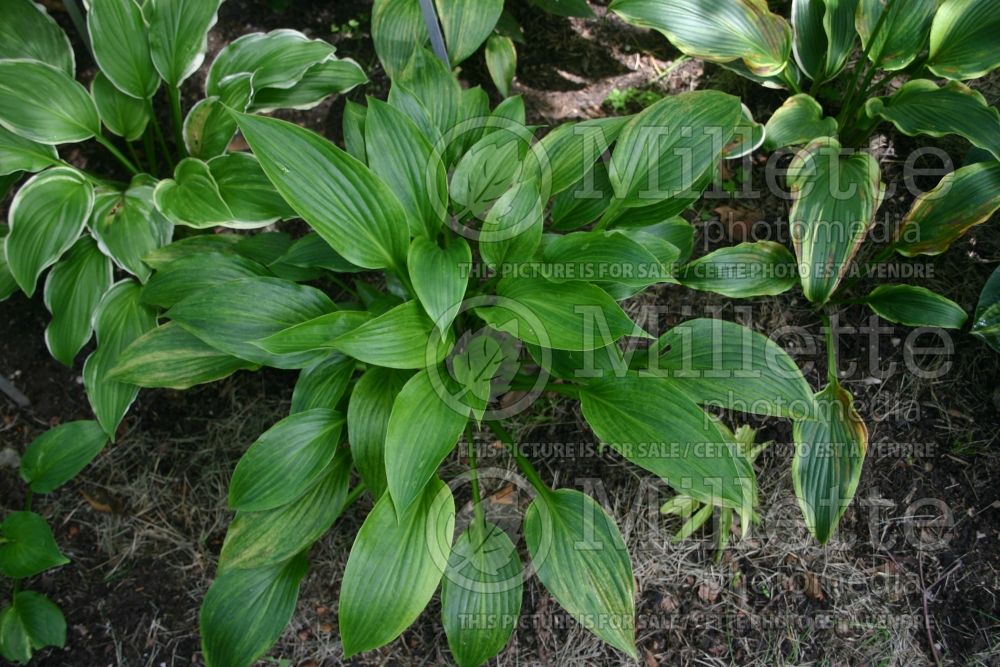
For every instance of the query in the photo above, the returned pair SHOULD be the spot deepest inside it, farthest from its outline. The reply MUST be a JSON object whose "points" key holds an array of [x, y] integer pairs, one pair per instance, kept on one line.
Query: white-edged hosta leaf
{"points": [[829, 453], [423, 430], [501, 61], [73, 289], [31, 622], [481, 594], [325, 78], [397, 29], [401, 338], [266, 538], [394, 568], [351, 208], [761, 268], [27, 546], [121, 113], [720, 31], [121, 47], [46, 217], [747, 137], [652, 423], [56, 456], [128, 227], [986, 325], [245, 611], [720, 363], [286, 460], [43, 103], [209, 126], [580, 557], [440, 277], [121, 317], [466, 25], [903, 34], [7, 283], [797, 122], [27, 31], [921, 107], [323, 384], [178, 35], [824, 36], [20, 154], [168, 356], [964, 42], [368, 421], [279, 59], [836, 194], [915, 306]]}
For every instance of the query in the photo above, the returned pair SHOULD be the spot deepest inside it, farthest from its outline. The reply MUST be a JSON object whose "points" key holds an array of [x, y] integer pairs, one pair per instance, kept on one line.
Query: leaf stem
{"points": [[159, 135], [117, 153], [792, 84], [150, 147], [852, 90], [529, 470], [354, 494], [831, 351], [133, 154], [477, 500], [174, 94]]}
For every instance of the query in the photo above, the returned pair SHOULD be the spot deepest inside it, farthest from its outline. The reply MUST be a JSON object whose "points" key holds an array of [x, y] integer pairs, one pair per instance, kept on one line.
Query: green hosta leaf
{"points": [[431, 82], [584, 201], [20, 154], [986, 325], [178, 35], [645, 167], [763, 268], [824, 36], [323, 79], [277, 59], [368, 421], [963, 39], [209, 126], [263, 539], [30, 623], [423, 429], [312, 251], [568, 154], [286, 460], [920, 107], [401, 338], [484, 354], [233, 315], [467, 25], [350, 207], [489, 168], [835, 199], [193, 273], [605, 257], [440, 277], [400, 155], [481, 594], [748, 136], [963, 199], [829, 453], [652, 422], [354, 130], [724, 364], [120, 45], [27, 546], [264, 248], [721, 32], [46, 217], [120, 319], [581, 559], [397, 29], [394, 568], [7, 283], [512, 230], [914, 306], [566, 7], [73, 289], [676, 232], [323, 384], [501, 61], [27, 31], [797, 122], [561, 316], [192, 245], [43, 103], [56, 456], [903, 34], [170, 357], [124, 115], [316, 334], [245, 611]]}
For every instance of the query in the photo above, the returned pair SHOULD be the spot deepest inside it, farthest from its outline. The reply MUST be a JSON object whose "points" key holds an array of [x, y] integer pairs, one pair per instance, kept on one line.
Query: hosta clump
{"points": [[837, 188], [453, 260]]}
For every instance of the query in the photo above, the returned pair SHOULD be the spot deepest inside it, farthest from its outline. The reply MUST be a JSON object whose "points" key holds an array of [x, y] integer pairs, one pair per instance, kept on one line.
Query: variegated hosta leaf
{"points": [[27, 31], [914, 306], [325, 78], [921, 107], [209, 126], [43, 103], [121, 47], [73, 289], [720, 31], [20, 154], [747, 137], [128, 227], [829, 453], [836, 194], [903, 34], [963, 199], [987, 321], [123, 114], [824, 36], [964, 43], [178, 35], [797, 122]]}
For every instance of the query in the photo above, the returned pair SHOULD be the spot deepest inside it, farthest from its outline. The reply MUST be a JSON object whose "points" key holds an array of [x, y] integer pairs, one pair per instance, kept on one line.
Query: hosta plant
{"points": [[851, 67], [90, 229], [456, 269]]}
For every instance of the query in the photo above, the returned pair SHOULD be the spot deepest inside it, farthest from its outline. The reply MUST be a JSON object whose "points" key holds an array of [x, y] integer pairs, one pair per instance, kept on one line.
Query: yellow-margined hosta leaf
{"points": [[43, 103], [914, 306], [178, 35], [963, 199], [581, 559], [920, 107], [27, 31], [73, 289], [762, 268], [720, 31], [903, 34], [394, 568], [824, 36], [829, 453], [797, 122], [836, 194], [466, 25], [964, 43], [986, 325], [121, 47]]}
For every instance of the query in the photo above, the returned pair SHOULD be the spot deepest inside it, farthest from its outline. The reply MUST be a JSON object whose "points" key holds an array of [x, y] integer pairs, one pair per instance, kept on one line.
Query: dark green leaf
{"points": [[27, 546], [440, 277], [397, 29], [512, 230], [501, 61], [316, 334], [903, 34], [964, 41], [193, 273], [401, 338], [914, 306], [368, 421], [986, 325], [30, 623], [797, 122], [123, 114], [56, 456], [763, 268], [323, 384], [73, 289], [466, 25]]}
